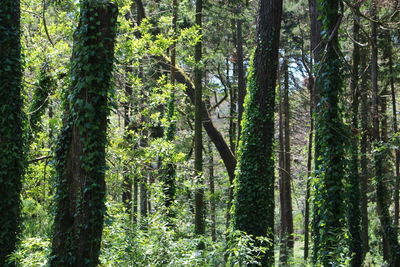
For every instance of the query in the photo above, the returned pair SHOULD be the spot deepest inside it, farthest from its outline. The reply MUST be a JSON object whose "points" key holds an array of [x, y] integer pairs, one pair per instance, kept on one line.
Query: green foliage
{"points": [[32, 252], [11, 128]]}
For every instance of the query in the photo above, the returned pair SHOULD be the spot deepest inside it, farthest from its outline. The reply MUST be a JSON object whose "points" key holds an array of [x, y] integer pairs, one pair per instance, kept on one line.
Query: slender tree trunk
{"points": [[309, 168], [11, 139], [364, 158], [240, 71], [353, 188], [397, 152], [80, 157], [212, 193], [127, 176], [315, 46], [287, 239], [143, 197], [198, 132], [232, 108], [388, 230], [254, 189], [135, 198]]}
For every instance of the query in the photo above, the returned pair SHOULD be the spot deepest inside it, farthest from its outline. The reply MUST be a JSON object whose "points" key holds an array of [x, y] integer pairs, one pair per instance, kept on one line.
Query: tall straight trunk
{"points": [[388, 230], [287, 238], [80, 156], [232, 107], [353, 188], [329, 212], [143, 195], [309, 168], [127, 176], [315, 47], [212, 192], [135, 205], [364, 157], [254, 189], [11, 139], [198, 131], [394, 114], [240, 71]]}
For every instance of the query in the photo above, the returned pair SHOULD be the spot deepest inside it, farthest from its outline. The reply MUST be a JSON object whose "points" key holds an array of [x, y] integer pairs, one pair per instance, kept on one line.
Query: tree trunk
{"points": [[254, 188], [11, 138], [353, 188], [309, 168], [240, 72], [287, 239], [80, 156], [198, 131], [388, 230], [212, 193], [315, 46], [329, 209], [364, 144], [127, 176], [397, 152], [143, 197]]}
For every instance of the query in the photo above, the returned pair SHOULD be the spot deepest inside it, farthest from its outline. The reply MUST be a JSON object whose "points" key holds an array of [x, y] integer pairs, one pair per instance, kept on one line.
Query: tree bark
{"points": [[353, 188], [364, 157], [212, 193], [390, 241], [80, 156], [254, 188], [198, 131], [309, 168], [287, 239], [240, 72]]}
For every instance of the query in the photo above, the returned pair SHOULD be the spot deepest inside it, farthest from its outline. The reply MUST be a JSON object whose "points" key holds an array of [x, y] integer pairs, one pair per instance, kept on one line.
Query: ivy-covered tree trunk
{"points": [[80, 156], [389, 232], [353, 184], [254, 188], [329, 213], [11, 139]]}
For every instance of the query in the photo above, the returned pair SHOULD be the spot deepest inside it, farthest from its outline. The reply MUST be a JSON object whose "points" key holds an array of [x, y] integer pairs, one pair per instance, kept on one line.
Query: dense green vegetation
{"points": [[199, 133]]}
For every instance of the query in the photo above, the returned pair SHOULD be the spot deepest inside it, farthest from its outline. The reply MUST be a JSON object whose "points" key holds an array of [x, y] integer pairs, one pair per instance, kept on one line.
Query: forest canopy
{"points": [[199, 133]]}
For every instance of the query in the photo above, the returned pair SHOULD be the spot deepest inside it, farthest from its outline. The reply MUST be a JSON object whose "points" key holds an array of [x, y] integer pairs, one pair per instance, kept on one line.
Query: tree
{"points": [[198, 131], [253, 209], [330, 135], [80, 155], [389, 232], [353, 190], [11, 137], [285, 188]]}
